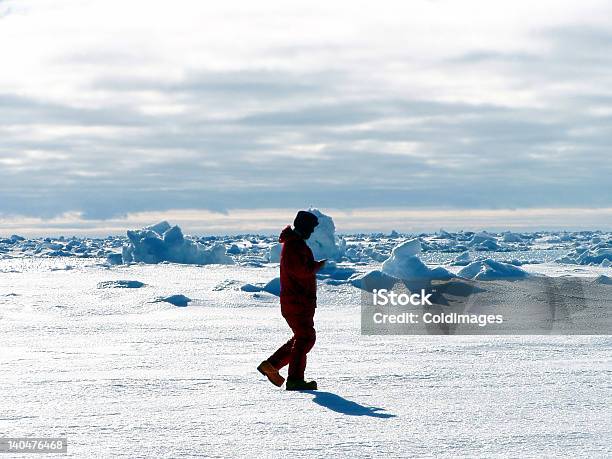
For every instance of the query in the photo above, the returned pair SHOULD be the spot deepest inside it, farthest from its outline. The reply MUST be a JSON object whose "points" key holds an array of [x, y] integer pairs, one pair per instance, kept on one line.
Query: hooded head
{"points": [[305, 223]]}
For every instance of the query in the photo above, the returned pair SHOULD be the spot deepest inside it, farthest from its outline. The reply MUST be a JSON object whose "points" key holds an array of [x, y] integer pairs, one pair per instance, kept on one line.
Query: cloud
{"points": [[185, 110], [269, 221]]}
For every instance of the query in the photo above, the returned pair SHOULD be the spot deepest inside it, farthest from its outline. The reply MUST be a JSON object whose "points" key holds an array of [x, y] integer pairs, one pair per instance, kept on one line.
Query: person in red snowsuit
{"points": [[298, 298]]}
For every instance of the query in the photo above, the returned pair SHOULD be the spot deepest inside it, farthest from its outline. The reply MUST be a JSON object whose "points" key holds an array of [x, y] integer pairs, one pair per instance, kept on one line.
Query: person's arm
{"points": [[300, 264]]}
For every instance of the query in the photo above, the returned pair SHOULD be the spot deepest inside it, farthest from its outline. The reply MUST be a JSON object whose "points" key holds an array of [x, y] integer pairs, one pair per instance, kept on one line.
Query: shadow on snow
{"points": [[342, 405]]}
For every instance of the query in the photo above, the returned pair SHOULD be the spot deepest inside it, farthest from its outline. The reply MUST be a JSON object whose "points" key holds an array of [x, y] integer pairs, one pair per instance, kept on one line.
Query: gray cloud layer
{"points": [[266, 138]]}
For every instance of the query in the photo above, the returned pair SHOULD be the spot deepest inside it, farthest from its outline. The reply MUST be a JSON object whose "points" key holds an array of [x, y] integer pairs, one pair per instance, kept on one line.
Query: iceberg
{"points": [[491, 270], [331, 270], [323, 242], [274, 253], [603, 279], [374, 280], [479, 238], [250, 288], [272, 287], [405, 264], [115, 258], [509, 236], [463, 259], [599, 254], [487, 245], [176, 300], [162, 242]]}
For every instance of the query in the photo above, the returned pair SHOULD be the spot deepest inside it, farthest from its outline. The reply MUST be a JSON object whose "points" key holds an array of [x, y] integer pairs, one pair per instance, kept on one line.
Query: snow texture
{"points": [[123, 376], [121, 284]]}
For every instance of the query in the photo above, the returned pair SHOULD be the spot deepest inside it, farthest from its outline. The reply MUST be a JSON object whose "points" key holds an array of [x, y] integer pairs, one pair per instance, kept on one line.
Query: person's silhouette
{"points": [[298, 298]]}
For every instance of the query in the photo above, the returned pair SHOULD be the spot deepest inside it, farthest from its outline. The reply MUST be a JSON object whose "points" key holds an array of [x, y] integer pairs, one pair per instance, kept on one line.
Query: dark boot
{"points": [[300, 384]]}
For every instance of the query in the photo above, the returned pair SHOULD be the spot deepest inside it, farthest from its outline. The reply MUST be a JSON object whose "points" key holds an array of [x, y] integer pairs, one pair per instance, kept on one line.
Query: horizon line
{"points": [[348, 221]]}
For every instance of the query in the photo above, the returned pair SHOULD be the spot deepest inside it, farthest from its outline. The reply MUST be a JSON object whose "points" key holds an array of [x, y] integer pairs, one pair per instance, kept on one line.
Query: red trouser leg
{"points": [[281, 357], [294, 351], [304, 337]]}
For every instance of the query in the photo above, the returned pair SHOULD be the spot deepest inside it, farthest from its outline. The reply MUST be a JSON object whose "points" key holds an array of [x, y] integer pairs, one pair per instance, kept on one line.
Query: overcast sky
{"points": [[111, 109]]}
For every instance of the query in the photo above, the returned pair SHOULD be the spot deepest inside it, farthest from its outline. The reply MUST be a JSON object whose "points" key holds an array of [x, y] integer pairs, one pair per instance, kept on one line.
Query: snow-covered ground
{"points": [[121, 373]]}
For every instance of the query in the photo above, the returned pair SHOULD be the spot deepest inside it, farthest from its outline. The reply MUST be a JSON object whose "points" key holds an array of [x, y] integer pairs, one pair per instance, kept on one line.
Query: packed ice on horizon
{"points": [[365, 261], [402, 254]]}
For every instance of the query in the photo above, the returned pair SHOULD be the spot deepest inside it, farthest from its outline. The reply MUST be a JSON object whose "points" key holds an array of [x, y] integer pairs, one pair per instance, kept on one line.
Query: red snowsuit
{"points": [[298, 297]]}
